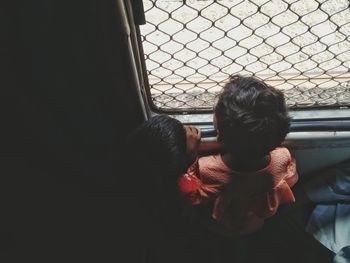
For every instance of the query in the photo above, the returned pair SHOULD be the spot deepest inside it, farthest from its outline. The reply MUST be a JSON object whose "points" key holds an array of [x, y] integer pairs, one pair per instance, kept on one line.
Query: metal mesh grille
{"points": [[300, 47]]}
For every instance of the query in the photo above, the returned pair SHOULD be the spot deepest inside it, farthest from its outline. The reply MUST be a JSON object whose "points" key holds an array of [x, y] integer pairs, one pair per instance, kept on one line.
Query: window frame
{"points": [[153, 109], [310, 118]]}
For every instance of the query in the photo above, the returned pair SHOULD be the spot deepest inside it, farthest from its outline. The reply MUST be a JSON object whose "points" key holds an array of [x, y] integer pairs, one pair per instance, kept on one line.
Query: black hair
{"points": [[155, 159], [252, 117], [157, 151]]}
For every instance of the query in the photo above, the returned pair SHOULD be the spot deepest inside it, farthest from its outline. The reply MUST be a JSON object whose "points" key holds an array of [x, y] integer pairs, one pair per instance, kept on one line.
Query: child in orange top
{"points": [[248, 181]]}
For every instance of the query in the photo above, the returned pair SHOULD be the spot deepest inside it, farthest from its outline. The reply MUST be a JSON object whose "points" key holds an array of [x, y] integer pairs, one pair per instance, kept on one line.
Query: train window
{"points": [[191, 47]]}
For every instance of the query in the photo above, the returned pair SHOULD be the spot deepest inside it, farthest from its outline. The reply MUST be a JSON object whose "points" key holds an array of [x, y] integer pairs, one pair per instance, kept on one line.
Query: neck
{"points": [[245, 165]]}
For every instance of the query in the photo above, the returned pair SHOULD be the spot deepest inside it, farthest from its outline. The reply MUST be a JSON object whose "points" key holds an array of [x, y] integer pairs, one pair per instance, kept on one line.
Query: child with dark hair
{"points": [[158, 152], [162, 149], [246, 183]]}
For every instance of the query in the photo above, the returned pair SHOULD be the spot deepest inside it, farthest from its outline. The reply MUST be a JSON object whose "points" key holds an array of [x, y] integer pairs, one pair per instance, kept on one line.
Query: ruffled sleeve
{"points": [[192, 188], [281, 193]]}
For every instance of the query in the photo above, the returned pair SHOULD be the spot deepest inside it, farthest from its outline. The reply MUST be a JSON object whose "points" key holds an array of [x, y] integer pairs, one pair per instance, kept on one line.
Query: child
{"points": [[157, 153], [161, 149], [248, 181]]}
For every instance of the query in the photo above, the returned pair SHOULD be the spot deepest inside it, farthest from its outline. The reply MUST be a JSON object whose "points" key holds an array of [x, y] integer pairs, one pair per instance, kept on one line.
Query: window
{"points": [[301, 47]]}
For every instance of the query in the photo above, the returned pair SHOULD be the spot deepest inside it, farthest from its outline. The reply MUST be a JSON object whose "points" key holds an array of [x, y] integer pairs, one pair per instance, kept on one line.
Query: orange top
{"points": [[241, 201]]}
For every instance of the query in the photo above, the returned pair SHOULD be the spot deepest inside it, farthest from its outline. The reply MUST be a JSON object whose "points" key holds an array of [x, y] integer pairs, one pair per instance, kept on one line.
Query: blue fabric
{"points": [[329, 222], [330, 186], [343, 256]]}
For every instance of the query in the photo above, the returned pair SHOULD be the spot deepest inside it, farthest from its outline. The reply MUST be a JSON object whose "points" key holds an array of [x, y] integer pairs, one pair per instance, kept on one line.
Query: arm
{"points": [[268, 204], [192, 188], [210, 148], [281, 192], [190, 184]]}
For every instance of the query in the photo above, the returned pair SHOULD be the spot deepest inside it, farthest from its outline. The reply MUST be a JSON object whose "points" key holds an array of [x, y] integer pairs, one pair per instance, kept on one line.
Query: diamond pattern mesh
{"points": [[301, 47]]}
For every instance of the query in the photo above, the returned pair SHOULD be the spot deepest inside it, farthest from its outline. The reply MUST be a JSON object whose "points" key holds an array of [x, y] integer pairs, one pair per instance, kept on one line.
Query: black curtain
{"points": [[68, 108]]}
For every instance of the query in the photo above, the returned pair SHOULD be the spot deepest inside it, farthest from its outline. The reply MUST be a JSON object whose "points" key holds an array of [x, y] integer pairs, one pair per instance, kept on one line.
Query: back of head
{"points": [[155, 157], [156, 154], [252, 117]]}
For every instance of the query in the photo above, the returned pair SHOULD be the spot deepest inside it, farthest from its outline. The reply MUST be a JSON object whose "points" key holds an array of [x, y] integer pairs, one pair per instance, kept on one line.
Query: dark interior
{"points": [[70, 101]]}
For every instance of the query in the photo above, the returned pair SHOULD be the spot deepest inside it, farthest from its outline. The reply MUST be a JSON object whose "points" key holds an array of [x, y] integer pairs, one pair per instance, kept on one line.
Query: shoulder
{"points": [[283, 167], [281, 154], [280, 161], [212, 169], [210, 161]]}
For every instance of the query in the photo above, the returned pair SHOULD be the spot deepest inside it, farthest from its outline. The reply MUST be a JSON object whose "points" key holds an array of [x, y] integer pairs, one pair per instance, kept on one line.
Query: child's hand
{"points": [[193, 139]]}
